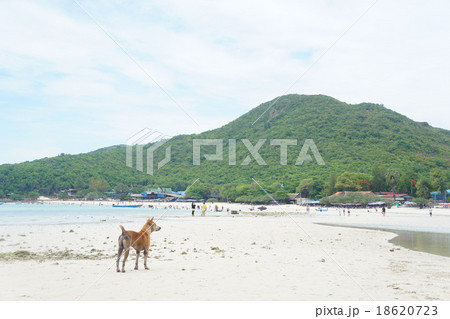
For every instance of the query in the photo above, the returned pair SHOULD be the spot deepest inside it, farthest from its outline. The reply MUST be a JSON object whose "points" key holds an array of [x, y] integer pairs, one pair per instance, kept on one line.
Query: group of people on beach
{"points": [[343, 212], [203, 207]]}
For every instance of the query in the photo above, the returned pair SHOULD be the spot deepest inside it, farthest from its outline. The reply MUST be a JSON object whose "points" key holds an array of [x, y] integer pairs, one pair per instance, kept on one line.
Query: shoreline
{"points": [[240, 207], [248, 209]]}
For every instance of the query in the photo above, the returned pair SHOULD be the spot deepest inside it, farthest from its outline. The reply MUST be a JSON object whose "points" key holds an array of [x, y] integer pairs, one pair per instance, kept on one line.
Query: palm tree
{"points": [[392, 180]]}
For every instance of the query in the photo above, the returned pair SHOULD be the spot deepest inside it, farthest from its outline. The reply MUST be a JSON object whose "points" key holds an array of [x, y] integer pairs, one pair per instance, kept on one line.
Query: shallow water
{"points": [[34, 214], [428, 242], [433, 243]]}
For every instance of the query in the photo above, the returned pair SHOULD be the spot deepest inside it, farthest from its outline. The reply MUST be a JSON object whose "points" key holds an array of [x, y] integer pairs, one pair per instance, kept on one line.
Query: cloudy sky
{"points": [[76, 76]]}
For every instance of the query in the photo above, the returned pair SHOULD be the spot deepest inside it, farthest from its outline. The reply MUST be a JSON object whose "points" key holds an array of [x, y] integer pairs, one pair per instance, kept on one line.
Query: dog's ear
{"points": [[152, 219]]}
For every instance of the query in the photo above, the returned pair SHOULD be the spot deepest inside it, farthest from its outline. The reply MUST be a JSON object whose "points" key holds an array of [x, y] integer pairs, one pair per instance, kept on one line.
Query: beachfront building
{"points": [[398, 197], [157, 193], [163, 193], [137, 196], [71, 192], [437, 196], [295, 198], [351, 192]]}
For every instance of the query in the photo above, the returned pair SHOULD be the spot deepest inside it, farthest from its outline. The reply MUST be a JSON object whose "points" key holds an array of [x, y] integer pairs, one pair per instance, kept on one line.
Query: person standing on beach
{"points": [[431, 212], [193, 208], [383, 211], [203, 209]]}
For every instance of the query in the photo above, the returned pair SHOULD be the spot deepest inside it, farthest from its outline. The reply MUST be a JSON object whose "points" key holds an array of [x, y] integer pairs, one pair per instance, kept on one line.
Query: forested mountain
{"points": [[363, 139]]}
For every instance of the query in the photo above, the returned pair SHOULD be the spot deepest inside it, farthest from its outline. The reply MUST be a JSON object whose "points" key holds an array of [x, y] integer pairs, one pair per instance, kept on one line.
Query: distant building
{"points": [[162, 193], [351, 192], [398, 197], [295, 198], [71, 192], [156, 193], [437, 196]]}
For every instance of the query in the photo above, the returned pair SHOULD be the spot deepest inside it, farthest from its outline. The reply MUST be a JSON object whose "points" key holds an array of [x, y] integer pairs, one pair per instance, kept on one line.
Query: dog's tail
{"points": [[124, 236]]}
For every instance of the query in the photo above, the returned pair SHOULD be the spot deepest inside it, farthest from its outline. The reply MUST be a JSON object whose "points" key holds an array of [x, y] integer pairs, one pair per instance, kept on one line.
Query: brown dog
{"points": [[138, 240]]}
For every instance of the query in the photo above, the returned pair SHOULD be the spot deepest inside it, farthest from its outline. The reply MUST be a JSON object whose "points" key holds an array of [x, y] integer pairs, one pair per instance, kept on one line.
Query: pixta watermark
{"points": [[308, 147], [138, 141], [147, 141]]}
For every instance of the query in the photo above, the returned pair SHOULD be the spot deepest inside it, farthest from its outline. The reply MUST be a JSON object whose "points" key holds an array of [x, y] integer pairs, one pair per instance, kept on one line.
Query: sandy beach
{"points": [[235, 257]]}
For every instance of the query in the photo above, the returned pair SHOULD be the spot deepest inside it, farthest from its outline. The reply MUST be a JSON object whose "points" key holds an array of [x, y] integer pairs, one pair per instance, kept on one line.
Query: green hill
{"points": [[356, 138]]}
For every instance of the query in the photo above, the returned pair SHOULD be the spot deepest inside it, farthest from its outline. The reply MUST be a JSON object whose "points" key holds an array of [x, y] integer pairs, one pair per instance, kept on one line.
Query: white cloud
{"points": [[217, 59]]}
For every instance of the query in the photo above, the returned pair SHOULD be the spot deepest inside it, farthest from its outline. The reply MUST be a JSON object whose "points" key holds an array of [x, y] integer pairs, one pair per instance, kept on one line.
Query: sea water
{"points": [[43, 214]]}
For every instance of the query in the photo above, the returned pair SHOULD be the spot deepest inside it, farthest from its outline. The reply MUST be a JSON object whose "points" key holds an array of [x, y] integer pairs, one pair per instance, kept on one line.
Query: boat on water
{"points": [[321, 209], [1, 203], [128, 206]]}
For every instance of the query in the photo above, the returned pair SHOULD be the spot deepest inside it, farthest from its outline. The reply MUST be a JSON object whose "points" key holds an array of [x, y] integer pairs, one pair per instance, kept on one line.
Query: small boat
{"points": [[321, 210], [127, 206], [1, 203]]}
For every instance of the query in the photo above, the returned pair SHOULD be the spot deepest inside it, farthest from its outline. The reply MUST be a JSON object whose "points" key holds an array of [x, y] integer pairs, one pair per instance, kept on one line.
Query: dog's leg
{"points": [[125, 256], [137, 259], [119, 253], [145, 258]]}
